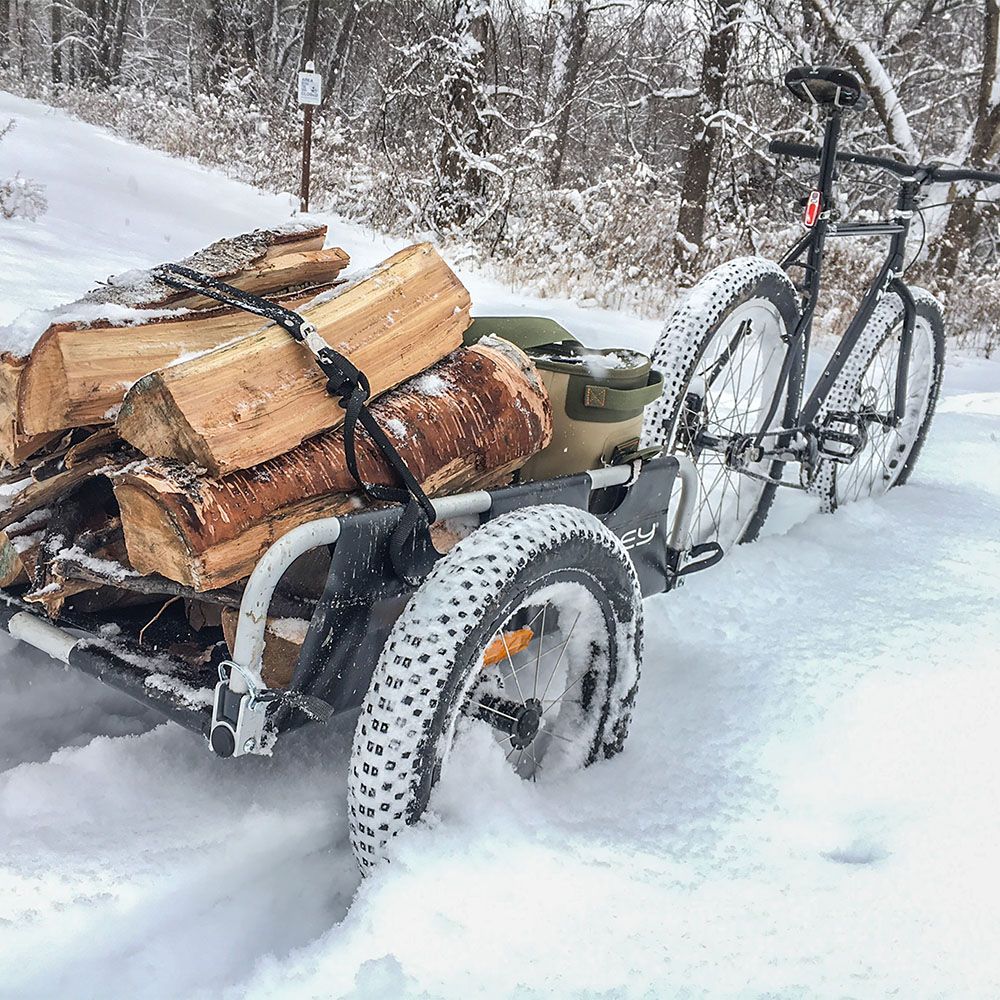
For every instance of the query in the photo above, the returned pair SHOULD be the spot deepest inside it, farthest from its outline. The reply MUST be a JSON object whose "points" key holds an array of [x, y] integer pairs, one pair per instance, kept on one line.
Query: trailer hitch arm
{"points": [[239, 719]]}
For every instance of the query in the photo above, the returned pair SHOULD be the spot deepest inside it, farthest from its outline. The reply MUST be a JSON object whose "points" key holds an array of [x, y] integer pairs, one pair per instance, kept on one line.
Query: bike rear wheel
{"points": [[867, 385], [721, 353]]}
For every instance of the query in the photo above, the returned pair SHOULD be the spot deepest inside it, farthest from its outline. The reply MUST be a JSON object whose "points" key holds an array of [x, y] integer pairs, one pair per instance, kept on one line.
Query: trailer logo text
{"points": [[638, 536]]}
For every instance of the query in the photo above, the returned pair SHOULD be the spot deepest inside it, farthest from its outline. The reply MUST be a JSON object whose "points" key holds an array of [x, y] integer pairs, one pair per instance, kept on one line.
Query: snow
{"points": [[429, 384], [397, 428], [290, 629], [154, 209], [109, 568], [807, 805]]}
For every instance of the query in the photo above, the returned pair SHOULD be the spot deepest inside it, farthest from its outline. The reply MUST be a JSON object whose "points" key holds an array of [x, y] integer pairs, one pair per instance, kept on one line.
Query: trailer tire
{"points": [[544, 557]]}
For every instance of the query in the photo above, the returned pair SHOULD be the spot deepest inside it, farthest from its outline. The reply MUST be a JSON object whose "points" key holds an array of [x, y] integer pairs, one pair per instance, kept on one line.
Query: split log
{"points": [[468, 422], [115, 574], [19, 544], [304, 270], [78, 373], [50, 491], [15, 446], [82, 524], [18, 554], [226, 259], [55, 488], [283, 639], [249, 401], [59, 455]]}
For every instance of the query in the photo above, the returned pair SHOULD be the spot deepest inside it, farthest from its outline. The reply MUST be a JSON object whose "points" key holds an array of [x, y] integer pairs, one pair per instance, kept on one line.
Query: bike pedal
{"points": [[840, 437]]}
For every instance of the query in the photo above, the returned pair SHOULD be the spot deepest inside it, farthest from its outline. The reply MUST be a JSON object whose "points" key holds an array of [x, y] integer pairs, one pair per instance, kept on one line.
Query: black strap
{"points": [[343, 380]]}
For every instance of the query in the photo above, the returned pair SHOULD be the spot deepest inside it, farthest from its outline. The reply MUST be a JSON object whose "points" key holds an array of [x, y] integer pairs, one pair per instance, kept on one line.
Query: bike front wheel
{"points": [[867, 387], [721, 353]]}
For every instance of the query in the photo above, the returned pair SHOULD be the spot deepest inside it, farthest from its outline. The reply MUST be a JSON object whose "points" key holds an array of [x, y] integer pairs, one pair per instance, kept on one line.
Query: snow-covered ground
{"points": [[808, 805]]}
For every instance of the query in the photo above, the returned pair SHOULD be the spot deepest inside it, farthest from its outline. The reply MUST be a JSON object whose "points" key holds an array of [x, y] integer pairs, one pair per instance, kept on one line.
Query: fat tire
{"points": [[406, 726], [884, 322], [690, 330]]}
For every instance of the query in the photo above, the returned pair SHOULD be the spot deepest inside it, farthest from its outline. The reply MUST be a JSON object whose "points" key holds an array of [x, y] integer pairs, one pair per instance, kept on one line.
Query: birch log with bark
{"points": [[470, 421], [248, 401], [228, 259]]}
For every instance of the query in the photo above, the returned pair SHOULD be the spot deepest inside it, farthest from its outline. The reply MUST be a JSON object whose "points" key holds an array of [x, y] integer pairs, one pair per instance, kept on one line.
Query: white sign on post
{"points": [[310, 88]]}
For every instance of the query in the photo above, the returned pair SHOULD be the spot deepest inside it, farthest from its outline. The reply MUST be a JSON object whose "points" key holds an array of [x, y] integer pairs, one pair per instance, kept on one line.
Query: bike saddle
{"points": [[827, 86]]}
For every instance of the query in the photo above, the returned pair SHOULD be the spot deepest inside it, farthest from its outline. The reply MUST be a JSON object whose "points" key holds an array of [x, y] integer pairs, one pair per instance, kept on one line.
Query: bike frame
{"points": [[888, 278]]}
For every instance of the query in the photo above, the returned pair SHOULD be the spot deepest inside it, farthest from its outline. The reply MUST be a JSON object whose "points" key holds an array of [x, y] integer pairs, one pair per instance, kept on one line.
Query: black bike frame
{"points": [[888, 278]]}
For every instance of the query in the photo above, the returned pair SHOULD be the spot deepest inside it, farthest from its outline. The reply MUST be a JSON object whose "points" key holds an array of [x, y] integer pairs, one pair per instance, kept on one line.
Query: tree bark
{"points": [[966, 217], [55, 12], [567, 58], [338, 61], [461, 182], [719, 48], [118, 42], [215, 29], [489, 416], [5, 33]]}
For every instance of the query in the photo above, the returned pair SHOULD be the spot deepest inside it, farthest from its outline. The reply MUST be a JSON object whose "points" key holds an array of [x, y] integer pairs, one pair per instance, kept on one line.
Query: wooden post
{"points": [[308, 66], [307, 138]]}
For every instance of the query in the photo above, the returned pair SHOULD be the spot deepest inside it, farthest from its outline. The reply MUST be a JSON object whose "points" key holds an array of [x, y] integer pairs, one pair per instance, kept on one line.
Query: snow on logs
{"points": [[257, 397], [70, 367], [468, 422]]}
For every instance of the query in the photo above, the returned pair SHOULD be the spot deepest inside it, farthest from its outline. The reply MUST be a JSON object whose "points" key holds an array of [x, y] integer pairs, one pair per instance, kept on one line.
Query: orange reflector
{"points": [[508, 642]]}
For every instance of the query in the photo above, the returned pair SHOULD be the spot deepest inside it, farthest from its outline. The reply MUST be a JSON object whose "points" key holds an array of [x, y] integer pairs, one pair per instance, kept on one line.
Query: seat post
{"points": [[828, 159]]}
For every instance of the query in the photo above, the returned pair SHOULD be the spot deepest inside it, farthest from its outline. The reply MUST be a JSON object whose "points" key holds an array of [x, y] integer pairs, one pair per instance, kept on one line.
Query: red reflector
{"points": [[811, 214]]}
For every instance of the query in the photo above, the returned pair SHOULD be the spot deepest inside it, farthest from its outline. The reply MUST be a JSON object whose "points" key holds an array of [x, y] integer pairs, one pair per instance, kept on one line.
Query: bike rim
{"points": [[881, 461], [538, 699], [743, 361]]}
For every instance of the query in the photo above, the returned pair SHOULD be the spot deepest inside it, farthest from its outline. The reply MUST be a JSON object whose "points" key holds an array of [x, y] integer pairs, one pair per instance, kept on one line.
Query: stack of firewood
{"points": [[155, 443]]}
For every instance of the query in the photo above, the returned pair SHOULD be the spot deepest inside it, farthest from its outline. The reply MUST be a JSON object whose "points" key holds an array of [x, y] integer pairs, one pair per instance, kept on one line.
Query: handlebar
{"points": [[961, 174], [926, 173]]}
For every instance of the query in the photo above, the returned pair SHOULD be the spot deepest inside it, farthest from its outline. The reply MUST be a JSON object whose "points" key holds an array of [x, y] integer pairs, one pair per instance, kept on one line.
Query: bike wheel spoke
{"points": [[490, 708], [883, 456], [738, 372], [538, 658], [561, 654]]}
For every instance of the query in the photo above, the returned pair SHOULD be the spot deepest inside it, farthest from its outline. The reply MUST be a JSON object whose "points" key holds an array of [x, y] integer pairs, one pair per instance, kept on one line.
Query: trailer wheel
{"points": [[533, 626]]}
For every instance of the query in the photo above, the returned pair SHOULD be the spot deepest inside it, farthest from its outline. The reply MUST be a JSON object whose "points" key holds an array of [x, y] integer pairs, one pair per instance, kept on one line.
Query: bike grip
{"points": [[957, 174], [799, 149]]}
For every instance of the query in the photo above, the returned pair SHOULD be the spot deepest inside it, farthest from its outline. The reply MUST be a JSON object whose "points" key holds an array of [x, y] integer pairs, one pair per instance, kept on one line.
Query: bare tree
{"points": [[4, 31], [56, 18], [965, 217], [872, 71], [464, 130], [719, 47], [567, 57]]}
